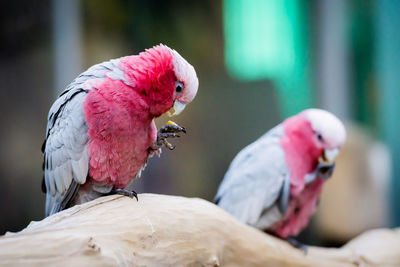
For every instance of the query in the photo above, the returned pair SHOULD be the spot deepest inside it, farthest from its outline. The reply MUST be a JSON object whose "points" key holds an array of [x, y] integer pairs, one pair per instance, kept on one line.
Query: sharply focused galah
{"points": [[274, 183], [101, 129]]}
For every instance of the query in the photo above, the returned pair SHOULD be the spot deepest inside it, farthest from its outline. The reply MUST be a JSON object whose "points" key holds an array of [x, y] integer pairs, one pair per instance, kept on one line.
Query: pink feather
{"points": [[301, 155], [120, 115]]}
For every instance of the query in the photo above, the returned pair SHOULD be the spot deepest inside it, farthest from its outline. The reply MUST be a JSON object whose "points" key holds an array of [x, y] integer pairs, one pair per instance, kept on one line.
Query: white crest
{"points": [[331, 128], [186, 74]]}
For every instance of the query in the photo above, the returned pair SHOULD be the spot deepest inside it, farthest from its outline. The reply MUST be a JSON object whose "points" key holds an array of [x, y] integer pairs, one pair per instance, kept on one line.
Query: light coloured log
{"points": [[164, 230]]}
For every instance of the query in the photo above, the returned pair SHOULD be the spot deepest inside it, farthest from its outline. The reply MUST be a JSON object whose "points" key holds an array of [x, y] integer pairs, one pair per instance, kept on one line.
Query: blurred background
{"points": [[258, 62]]}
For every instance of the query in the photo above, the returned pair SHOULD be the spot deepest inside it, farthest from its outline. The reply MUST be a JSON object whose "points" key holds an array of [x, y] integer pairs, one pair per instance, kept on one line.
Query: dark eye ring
{"points": [[178, 86], [320, 138]]}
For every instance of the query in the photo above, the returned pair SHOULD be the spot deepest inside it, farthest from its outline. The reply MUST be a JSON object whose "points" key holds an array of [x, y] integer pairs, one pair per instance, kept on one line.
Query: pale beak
{"points": [[330, 155], [178, 108], [326, 164]]}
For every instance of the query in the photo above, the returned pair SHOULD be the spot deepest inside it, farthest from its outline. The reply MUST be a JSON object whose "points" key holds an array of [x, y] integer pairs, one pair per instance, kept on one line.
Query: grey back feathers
{"points": [[66, 156], [255, 187]]}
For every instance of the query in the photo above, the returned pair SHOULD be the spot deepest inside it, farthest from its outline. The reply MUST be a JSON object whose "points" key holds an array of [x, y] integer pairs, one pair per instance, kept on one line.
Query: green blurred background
{"points": [[258, 61]]}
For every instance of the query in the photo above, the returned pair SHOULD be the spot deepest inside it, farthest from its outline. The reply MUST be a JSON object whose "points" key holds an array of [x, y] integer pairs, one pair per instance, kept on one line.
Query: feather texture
{"points": [[255, 180], [66, 158], [69, 159]]}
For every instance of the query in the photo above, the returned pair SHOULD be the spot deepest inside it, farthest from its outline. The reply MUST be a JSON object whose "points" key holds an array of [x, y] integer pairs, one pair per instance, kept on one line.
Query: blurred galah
{"points": [[101, 131], [274, 183]]}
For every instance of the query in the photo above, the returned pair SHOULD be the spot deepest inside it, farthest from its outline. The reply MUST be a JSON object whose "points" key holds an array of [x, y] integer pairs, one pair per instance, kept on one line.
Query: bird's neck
{"points": [[300, 151]]}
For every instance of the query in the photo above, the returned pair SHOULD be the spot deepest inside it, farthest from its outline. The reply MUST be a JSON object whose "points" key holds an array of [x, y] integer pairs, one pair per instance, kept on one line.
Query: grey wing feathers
{"points": [[255, 179], [66, 158]]}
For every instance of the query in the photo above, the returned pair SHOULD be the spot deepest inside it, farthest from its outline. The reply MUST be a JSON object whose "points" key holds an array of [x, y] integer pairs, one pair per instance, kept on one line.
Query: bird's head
{"points": [[186, 83], [314, 137], [328, 131], [164, 77]]}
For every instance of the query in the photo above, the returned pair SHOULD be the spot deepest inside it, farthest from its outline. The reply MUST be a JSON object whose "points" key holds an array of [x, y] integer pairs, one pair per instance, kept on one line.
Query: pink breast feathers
{"points": [[300, 209], [119, 133]]}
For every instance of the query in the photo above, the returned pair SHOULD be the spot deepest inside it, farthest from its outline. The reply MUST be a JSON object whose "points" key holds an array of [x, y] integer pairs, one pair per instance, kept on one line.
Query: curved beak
{"points": [[178, 108], [326, 164], [329, 155], [325, 170]]}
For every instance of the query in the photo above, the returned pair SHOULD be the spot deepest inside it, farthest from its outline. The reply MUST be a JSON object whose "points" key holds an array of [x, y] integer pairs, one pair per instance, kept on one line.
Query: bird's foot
{"points": [[170, 130], [297, 244], [124, 192]]}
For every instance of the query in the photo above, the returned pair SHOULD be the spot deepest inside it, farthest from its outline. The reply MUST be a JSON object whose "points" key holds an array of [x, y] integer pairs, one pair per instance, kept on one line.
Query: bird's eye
{"points": [[178, 86], [320, 138]]}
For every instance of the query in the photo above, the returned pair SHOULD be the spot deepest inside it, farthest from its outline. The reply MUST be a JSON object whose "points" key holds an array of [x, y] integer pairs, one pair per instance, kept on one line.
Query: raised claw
{"points": [[170, 128], [168, 145], [168, 135]]}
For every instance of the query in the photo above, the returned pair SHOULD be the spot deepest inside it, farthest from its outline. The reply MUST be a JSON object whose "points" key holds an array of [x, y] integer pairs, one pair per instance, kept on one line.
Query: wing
{"points": [[257, 180], [66, 159]]}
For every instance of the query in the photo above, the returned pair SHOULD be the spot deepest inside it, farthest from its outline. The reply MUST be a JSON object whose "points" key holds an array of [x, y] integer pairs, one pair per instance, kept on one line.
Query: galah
{"points": [[274, 184], [101, 130]]}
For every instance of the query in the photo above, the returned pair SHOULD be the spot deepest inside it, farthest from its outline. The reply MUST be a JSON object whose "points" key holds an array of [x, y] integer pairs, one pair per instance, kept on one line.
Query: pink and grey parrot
{"points": [[274, 184], [101, 130]]}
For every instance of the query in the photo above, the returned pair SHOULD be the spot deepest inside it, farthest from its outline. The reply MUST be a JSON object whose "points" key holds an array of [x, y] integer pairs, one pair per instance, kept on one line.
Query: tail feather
{"points": [[58, 202]]}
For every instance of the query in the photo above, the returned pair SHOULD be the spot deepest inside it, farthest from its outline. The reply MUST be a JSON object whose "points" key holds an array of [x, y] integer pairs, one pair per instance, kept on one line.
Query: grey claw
{"points": [[163, 134], [297, 244], [168, 145], [125, 192], [172, 129]]}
